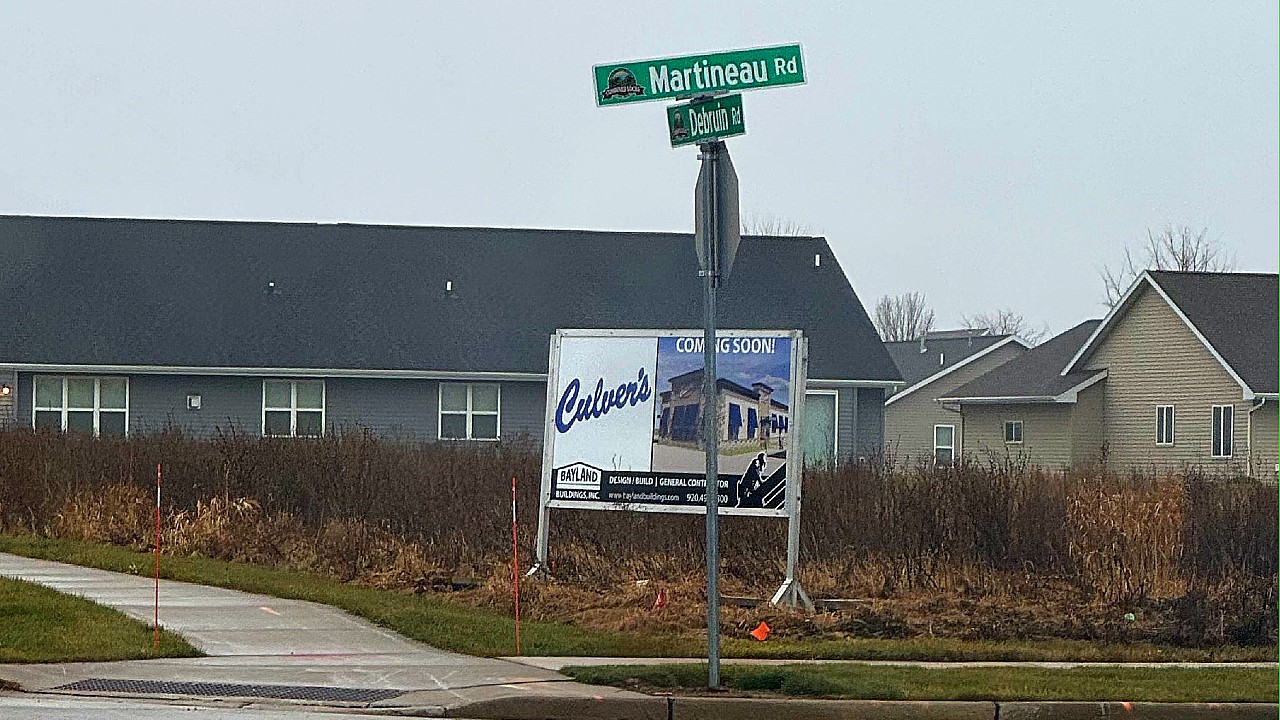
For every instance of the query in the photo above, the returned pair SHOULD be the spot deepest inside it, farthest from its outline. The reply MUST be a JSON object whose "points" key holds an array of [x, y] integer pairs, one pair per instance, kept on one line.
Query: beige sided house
{"points": [[916, 425], [1182, 371]]}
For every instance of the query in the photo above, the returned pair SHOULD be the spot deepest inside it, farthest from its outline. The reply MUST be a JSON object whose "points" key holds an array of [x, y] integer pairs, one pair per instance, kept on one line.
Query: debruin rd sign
{"points": [[698, 122], [692, 75]]}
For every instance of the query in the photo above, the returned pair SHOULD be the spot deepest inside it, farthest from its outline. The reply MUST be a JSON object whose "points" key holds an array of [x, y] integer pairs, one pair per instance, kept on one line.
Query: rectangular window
{"points": [[470, 411], [1164, 424], [293, 408], [1223, 420], [944, 444], [1013, 431], [81, 404], [819, 439]]}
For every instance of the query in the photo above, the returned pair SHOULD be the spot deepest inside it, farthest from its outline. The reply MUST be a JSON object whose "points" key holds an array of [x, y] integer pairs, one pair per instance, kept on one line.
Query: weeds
{"points": [[1002, 550]]}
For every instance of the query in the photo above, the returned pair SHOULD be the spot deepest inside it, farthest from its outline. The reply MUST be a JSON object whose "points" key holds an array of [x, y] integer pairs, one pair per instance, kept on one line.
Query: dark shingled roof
{"points": [[1037, 373], [194, 293], [1236, 313], [916, 366]]}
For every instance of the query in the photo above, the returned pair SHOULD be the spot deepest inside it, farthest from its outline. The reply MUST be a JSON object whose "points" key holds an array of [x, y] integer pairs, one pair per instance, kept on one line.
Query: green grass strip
{"points": [[879, 682], [39, 625], [456, 627], [425, 618]]}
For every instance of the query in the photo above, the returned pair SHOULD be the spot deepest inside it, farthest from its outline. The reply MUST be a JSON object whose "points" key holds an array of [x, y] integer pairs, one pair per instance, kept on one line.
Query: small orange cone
{"points": [[660, 601], [761, 632]]}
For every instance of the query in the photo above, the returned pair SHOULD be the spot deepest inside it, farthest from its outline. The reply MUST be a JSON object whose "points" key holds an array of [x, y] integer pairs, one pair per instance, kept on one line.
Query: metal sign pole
{"points": [[541, 566], [791, 593], [711, 420]]}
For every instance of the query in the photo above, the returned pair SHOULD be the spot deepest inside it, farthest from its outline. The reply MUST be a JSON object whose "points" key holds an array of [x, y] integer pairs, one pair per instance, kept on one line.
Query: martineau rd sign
{"points": [[692, 75], [703, 121]]}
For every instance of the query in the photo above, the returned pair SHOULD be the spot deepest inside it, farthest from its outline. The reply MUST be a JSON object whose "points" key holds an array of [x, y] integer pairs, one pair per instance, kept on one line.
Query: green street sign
{"points": [[692, 75], [704, 121]]}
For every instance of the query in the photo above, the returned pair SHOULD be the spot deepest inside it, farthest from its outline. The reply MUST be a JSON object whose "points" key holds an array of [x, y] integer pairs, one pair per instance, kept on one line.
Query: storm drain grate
{"points": [[275, 692]]}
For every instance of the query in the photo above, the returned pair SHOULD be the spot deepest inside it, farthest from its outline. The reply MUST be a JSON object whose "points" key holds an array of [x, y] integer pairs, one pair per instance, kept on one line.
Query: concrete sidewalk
{"points": [[256, 640], [274, 658]]}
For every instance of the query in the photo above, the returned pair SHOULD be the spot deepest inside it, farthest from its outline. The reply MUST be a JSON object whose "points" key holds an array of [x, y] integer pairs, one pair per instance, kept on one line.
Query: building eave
{"points": [[1007, 399], [1070, 395], [835, 383], [275, 372]]}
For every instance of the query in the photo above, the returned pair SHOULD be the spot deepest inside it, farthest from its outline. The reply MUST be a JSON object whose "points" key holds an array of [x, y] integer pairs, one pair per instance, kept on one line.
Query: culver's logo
{"points": [[575, 408]]}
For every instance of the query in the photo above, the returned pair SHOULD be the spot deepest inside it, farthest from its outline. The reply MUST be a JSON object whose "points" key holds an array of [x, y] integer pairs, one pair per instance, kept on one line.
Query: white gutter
{"points": [[1004, 399], [819, 382], [341, 372]]}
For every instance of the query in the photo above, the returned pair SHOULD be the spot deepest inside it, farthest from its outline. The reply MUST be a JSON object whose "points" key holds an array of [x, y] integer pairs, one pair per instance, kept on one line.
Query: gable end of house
{"points": [[1149, 282]]}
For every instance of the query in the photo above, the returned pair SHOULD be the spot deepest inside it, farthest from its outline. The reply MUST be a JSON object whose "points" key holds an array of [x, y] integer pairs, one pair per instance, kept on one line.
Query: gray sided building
{"points": [[918, 428], [124, 325]]}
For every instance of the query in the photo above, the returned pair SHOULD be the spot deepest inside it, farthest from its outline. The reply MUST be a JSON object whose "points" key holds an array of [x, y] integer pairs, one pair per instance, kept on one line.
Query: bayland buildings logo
{"points": [[622, 83]]}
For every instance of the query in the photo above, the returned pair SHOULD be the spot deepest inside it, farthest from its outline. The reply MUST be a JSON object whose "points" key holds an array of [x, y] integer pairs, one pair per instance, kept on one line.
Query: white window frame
{"points": [[1228, 439], [97, 400], [293, 406], [1020, 427], [470, 412], [951, 447], [835, 421], [1170, 427]]}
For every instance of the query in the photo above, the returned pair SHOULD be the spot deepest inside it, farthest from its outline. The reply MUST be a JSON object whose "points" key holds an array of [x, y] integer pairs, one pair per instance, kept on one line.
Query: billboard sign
{"points": [[624, 420]]}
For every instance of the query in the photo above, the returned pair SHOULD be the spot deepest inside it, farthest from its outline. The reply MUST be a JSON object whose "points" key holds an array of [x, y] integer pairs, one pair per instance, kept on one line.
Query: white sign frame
{"points": [[790, 592]]}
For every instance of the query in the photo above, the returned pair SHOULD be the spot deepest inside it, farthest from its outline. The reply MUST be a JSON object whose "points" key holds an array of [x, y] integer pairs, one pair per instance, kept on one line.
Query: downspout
{"points": [[1258, 401]]}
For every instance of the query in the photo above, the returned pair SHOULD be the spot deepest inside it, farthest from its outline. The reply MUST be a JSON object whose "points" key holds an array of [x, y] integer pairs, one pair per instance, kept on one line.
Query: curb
{"points": [[777, 709], [1136, 711], [565, 708]]}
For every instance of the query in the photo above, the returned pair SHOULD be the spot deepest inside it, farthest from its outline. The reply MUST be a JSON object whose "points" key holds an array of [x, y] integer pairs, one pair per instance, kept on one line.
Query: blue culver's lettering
{"points": [[573, 408]]}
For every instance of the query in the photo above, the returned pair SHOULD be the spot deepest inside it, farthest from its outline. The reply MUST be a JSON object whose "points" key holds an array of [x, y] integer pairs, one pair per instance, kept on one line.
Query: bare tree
{"points": [[902, 317], [1174, 248], [774, 226], [1006, 322]]}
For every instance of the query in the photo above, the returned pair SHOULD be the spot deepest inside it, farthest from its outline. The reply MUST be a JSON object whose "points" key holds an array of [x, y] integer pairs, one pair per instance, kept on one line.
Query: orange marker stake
{"points": [[155, 640], [515, 561]]}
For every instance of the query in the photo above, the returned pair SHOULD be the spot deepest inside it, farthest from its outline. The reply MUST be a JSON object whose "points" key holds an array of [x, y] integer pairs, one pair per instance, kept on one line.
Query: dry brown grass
{"points": [[995, 551], [1125, 539]]}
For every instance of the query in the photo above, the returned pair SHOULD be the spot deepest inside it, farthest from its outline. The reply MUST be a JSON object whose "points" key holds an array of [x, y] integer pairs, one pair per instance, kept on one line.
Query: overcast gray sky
{"points": [[989, 154]]}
